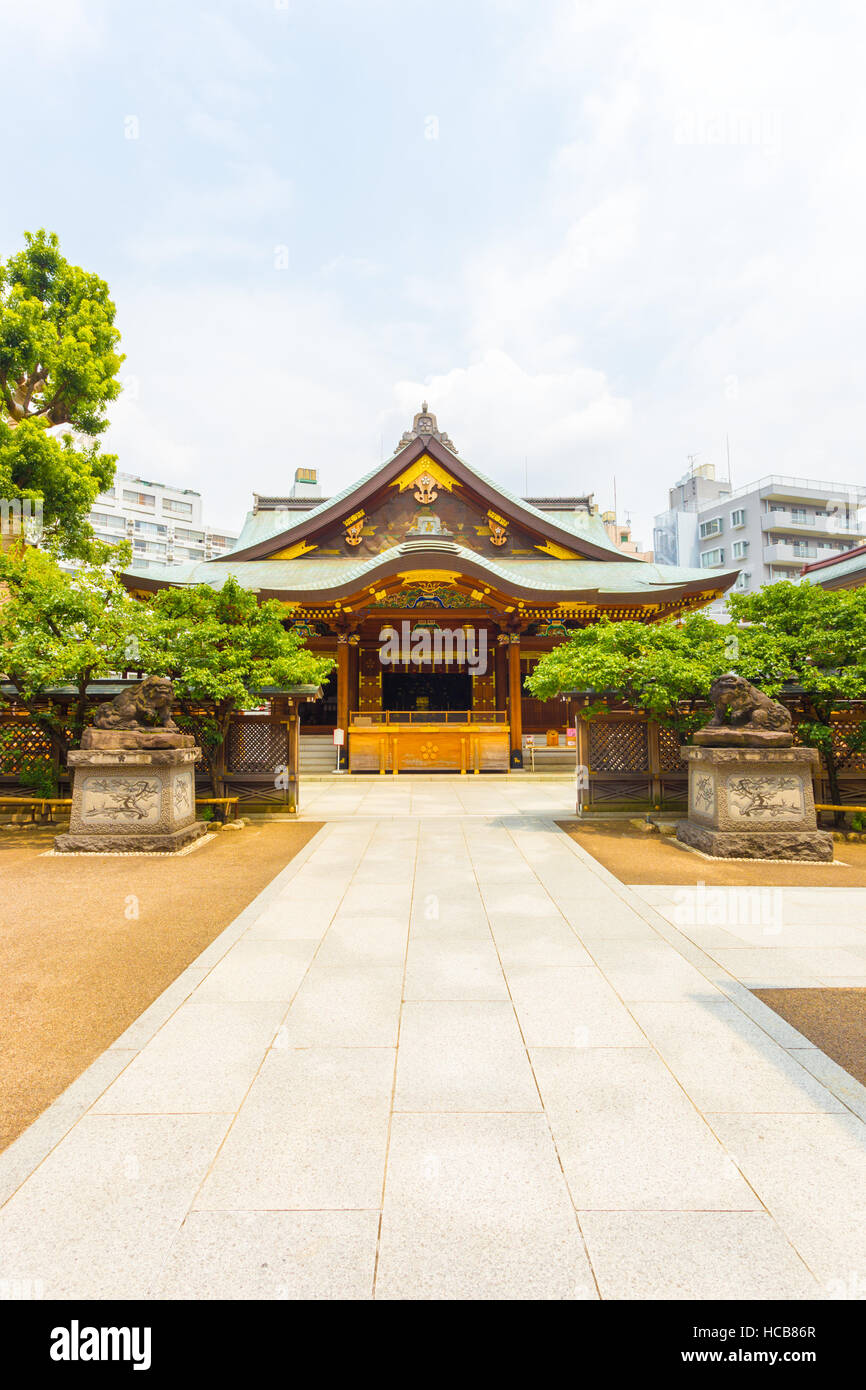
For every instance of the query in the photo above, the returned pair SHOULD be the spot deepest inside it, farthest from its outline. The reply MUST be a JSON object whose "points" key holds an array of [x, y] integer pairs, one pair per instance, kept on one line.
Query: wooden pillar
{"points": [[293, 756], [515, 713], [583, 789], [343, 694], [501, 673]]}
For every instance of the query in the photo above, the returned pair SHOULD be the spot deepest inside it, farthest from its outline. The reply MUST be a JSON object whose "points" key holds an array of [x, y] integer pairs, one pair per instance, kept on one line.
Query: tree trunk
{"points": [[80, 706], [831, 762], [220, 760]]}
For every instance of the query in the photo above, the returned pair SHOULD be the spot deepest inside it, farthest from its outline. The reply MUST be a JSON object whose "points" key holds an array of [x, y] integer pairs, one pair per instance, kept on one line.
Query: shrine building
{"points": [[436, 591]]}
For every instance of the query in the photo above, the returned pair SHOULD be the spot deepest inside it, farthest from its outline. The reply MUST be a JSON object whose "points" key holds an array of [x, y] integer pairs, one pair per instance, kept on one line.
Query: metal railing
{"points": [[820, 487], [428, 716], [830, 525]]}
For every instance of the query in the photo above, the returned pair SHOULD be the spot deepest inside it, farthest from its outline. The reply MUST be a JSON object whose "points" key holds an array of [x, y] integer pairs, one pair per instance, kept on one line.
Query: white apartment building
{"points": [[768, 530], [164, 523]]}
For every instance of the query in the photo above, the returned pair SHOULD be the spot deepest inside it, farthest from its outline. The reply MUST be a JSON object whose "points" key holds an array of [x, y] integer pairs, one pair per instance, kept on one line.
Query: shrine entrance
{"points": [[426, 690]]}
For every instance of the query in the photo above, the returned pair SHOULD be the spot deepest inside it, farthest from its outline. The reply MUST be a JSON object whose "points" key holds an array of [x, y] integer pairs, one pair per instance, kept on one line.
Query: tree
{"points": [[221, 648], [58, 373], [808, 644], [665, 669], [796, 641], [62, 628]]}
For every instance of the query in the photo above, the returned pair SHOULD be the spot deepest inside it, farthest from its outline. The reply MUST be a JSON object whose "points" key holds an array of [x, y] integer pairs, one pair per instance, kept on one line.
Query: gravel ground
{"points": [[86, 944], [832, 1019], [634, 856]]}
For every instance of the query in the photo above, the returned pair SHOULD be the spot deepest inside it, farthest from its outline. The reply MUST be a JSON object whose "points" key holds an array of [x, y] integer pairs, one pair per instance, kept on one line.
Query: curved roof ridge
{"points": [[594, 535]]}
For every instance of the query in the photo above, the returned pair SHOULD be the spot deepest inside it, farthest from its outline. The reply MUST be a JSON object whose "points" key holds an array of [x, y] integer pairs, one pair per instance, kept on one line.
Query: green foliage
{"points": [[58, 368], [665, 669], [796, 640], [858, 822], [222, 647], [63, 628]]}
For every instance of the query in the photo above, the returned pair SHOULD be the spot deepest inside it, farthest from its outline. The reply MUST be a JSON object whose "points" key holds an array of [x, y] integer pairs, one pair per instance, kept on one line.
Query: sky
{"points": [[599, 237]]}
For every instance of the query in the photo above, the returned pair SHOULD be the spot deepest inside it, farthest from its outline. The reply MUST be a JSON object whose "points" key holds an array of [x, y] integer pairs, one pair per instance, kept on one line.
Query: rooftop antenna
{"points": [[728, 451], [691, 458]]}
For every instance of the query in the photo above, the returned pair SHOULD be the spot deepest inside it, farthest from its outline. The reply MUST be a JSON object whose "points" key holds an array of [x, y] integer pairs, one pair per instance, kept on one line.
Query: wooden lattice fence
{"points": [[635, 762]]}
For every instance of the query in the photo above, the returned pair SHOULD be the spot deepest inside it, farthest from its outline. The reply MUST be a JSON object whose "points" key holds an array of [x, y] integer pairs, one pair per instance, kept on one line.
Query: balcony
{"points": [[816, 491], [811, 525], [784, 553]]}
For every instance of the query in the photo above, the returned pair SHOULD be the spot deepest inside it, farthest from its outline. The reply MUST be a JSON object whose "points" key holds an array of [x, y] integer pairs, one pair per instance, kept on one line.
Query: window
{"points": [[740, 550], [176, 508], [711, 558], [139, 499], [799, 516], [738, 517], [105, 519], [711, 528], [150, 528], [742, 581], [183, 534], [221, 540]]}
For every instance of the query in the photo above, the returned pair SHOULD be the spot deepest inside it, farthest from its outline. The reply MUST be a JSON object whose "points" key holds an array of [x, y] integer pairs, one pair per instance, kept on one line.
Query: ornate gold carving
{"points": [[354, 525], [429, 576], [425, 465], [426, 489], [498, 528]]}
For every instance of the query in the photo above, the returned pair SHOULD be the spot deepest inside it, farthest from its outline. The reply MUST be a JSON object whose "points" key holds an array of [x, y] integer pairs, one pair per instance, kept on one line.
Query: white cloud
{"points": [[687, 268]]}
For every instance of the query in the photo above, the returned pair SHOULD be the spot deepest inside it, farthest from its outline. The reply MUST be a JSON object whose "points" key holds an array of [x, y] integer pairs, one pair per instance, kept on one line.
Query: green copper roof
{"points": [[839, 570], [311, 574]]}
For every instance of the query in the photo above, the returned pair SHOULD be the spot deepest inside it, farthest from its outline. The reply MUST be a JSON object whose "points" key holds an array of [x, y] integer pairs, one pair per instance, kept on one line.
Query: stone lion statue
{"points": [[739, 705], [143, 706]]}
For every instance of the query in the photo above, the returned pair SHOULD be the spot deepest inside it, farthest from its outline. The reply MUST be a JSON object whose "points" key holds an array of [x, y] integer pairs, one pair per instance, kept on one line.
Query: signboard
{"points": [[571, 738], [339, 737]]}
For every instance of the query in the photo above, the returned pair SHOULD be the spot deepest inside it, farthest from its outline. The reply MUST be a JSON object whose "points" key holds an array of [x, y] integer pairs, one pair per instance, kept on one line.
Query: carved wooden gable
{"points": [[426, 500]]}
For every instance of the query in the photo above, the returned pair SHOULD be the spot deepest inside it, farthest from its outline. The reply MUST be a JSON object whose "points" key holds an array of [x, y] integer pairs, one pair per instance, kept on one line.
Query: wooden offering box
{"points": [[425, 741]]}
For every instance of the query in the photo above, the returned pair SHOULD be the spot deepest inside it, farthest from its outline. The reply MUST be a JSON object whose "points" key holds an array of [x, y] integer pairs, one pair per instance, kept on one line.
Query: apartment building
{"points": [[675, 534], [771, 528], [619, 532], [163, 522], [768, 529]]}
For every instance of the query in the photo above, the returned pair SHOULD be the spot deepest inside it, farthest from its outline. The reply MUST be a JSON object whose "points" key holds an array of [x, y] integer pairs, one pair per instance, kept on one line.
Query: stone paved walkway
{"points": [[446, 1055]]}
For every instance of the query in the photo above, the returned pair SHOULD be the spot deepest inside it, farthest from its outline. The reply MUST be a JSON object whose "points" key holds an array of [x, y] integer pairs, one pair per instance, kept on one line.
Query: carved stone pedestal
{"points": [[132, 798], [753, 803]]}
